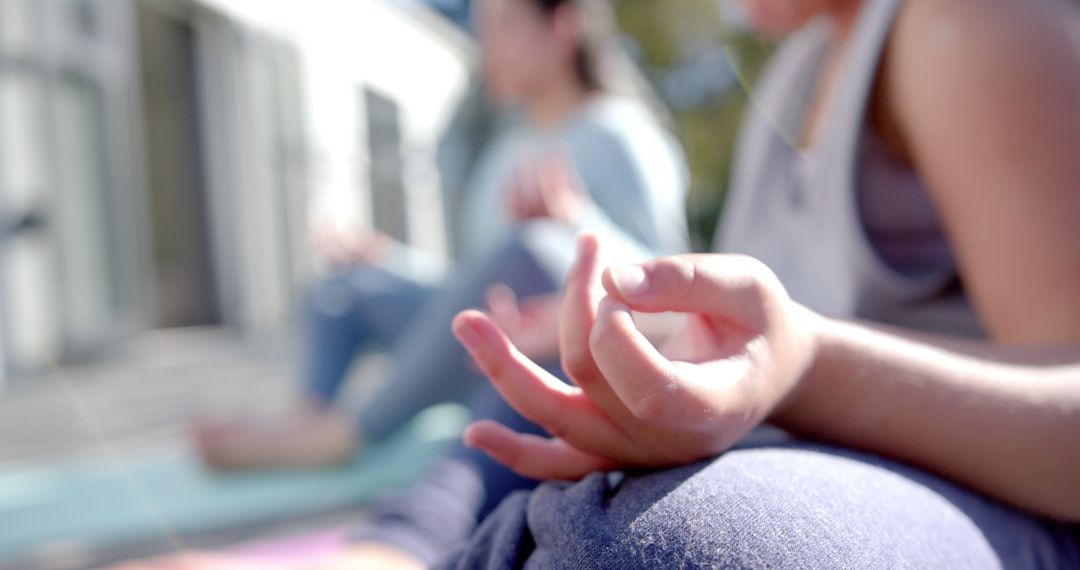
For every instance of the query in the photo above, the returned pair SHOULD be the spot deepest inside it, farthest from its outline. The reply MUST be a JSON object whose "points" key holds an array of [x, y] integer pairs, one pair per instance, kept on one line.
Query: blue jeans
{"points": [[356, 308], [438, 514], [778, 504], [367, 307]]}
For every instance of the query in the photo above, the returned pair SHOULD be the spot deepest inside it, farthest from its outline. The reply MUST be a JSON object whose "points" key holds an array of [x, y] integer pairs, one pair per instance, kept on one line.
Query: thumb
{"points": [[738, 287]]}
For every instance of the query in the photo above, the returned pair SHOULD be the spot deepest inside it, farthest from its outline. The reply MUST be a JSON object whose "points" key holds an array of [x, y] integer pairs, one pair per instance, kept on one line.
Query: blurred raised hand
{"points": [[546, 188], [743, 349], [349, 244]]}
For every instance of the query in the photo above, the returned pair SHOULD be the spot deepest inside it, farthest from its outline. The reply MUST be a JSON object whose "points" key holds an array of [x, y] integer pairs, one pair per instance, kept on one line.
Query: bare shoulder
{"points": [[947, 24], [959, 71], [965, 48], [985, 96]]}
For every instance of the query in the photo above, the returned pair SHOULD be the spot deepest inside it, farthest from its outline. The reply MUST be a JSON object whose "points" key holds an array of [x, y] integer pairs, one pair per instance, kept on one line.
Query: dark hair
{"points": [[597, 35]]}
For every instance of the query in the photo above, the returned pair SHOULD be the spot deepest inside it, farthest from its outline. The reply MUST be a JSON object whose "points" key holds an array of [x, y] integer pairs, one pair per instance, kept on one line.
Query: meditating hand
{"points": [[741, 354], [547, 188]]}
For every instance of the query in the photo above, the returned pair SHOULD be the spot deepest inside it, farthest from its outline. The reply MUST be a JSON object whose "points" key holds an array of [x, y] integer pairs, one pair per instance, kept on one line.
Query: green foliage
{"points": [[667, 33]]}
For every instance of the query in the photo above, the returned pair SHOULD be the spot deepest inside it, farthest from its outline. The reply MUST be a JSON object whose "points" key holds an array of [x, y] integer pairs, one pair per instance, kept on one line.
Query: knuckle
{"points": [[578, 363], [605, 342], [667, 407], [682, 274], [758, 275], [650, 409], [599, 336]]}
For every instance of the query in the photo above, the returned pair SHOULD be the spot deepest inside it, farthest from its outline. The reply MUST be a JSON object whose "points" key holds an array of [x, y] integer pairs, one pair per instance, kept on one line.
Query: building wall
{"points": [[68, 255], [94, 175], [339, 52]]}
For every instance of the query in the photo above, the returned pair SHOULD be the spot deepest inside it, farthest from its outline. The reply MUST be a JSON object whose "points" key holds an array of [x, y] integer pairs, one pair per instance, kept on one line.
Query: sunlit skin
{"points": [[777, 18], [528, 57], [520, 50]]}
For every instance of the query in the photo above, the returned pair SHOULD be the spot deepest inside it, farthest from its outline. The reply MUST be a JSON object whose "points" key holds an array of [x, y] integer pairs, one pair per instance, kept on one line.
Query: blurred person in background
{"points": [[587, 152], [905, 200]]}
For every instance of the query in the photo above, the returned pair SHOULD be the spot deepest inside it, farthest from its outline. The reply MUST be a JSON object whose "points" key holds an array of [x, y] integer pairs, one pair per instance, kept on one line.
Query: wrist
{"points": [[809, 330]]}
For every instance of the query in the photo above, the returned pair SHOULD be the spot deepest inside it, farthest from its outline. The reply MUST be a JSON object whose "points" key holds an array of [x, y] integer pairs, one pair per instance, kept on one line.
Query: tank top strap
{"points": [[845, 112]]}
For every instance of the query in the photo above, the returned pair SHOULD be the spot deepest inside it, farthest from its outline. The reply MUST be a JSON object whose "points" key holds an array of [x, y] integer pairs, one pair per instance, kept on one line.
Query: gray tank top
{"points": [[850, 231]]}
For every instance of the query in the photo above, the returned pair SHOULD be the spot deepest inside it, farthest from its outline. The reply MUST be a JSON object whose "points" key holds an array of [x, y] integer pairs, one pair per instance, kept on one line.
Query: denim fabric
{"points": [[366, 307], [355, 308], [792, 505], [437, 515], [430, 365]]}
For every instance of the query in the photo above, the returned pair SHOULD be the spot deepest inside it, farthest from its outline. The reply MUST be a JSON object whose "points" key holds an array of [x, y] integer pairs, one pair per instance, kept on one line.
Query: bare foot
{"points": [[197, 561], [368, 556], [304, 439], [372, 556]]}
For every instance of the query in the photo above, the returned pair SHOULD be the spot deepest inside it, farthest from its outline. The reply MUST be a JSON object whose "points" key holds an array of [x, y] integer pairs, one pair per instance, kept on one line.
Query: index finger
{"points": [[564, 411], [577, 316]]}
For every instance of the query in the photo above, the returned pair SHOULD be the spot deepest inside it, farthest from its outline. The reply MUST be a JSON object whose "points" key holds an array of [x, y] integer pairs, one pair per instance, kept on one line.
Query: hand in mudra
{"points": [[741, 354]]}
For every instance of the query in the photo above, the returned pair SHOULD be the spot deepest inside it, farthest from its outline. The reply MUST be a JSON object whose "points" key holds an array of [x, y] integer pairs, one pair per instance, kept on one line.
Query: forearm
{"points": [[1009, 430]]}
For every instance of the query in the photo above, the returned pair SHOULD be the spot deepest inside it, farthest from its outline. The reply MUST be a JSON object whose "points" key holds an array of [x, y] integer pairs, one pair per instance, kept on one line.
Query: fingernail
{"points": [[630, 280]]}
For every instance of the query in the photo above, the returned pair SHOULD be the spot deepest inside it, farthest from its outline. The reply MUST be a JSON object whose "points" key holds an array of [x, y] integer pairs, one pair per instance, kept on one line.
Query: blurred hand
{"points": [[743, 350], [349, 245], [532, 325], [546, 188]]}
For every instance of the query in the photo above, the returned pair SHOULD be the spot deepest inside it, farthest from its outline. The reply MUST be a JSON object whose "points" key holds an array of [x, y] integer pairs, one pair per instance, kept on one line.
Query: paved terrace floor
{"points": [[139, 402], [144, 396]]}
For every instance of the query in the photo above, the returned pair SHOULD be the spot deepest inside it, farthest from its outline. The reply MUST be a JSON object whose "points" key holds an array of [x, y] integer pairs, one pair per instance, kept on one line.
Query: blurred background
{"points": [[160, 162]]}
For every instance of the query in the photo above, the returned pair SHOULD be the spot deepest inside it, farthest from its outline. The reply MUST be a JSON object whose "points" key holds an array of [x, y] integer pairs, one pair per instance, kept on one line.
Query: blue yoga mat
{"points": [[95, 503]]}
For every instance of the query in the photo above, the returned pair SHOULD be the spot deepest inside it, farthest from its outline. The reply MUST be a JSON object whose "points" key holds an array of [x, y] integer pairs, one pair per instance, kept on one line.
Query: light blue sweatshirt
{"points": [[633, 170]]}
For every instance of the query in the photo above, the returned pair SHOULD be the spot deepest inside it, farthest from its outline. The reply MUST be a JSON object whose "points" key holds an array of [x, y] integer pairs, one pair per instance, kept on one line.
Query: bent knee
{"points": [[759, 508], [330, 297], [544, 239]]}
